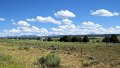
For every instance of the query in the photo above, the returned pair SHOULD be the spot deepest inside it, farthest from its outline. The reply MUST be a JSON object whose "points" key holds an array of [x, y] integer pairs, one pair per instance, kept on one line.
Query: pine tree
{"points": [[106, 39], [114, 39], [85, 39]]}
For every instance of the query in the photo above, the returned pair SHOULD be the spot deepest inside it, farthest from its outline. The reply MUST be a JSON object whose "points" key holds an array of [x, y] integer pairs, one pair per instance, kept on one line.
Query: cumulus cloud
{"points": [[64, 26], [23, 24], [90, 24], [84, 28], [64, 29], [26, 31], [104, 12], [24, 28], [31, 20], [12, 31], [44, 20], [64, 14], [2, 19], [67, 21], [48, 19]]}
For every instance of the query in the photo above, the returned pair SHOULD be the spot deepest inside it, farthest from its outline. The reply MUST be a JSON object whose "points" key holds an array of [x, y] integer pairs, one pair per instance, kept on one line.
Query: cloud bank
{"points": [[65, 26]]}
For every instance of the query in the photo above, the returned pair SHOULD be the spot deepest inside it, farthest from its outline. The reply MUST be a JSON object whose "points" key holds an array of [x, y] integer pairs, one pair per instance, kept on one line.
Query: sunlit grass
{"points": [[25, 53]]}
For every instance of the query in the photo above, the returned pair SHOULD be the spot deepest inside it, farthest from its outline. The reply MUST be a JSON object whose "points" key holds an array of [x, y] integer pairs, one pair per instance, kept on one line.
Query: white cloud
{"points": [[23, 24], [12, 31], [31, 20], [90, 24], [103, 12], [65, 26], [64, 29], [2, 19], [64, 14], [44, 20], [23, 28], [84, 28], [35, 29], [48, 19], [67, 21]]}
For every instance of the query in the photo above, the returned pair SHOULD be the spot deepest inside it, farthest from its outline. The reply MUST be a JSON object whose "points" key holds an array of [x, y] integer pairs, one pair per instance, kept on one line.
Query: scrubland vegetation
{"points": [[66, 52]]}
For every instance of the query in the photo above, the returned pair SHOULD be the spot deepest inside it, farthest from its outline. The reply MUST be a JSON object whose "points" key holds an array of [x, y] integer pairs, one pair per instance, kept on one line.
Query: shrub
{"points": [[20, 48], [24, 48], [85, 63], [49, 39], [42, 61], [97, 41], [52, 60]]}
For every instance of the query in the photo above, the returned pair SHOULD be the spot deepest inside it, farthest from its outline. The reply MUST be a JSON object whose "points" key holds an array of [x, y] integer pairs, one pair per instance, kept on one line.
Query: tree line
{"points": [[106, 39], [74, 39], [111, 39]]}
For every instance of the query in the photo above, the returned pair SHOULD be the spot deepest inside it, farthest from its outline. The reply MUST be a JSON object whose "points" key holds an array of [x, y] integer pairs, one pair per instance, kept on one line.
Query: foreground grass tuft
{"points": [[6, 61]]}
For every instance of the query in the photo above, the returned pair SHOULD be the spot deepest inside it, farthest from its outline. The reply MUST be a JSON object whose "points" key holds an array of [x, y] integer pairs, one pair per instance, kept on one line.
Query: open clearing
{"points": [[25, 53]]}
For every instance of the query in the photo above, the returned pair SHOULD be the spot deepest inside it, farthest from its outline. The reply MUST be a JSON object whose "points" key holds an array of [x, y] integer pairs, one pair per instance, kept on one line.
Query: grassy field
{"points": [[25, 54]]}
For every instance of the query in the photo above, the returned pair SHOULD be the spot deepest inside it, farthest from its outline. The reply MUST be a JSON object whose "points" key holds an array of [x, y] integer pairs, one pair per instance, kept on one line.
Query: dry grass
{"points": [[100, 56]]}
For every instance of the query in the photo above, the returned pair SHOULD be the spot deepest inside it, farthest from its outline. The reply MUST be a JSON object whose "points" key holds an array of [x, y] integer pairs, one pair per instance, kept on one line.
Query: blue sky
{"points": [[59, 17]]}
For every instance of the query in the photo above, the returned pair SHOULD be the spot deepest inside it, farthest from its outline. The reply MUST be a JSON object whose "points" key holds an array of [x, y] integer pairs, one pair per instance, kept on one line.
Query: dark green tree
{"points": [[65, 39], [74, 39], [85, 39], [49, 39], [114, 39], [38, 38], [79, 39], [106, 39]]}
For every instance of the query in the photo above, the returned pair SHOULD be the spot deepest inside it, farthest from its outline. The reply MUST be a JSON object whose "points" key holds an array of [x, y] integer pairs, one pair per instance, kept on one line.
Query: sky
{"points": [[59, 17]]}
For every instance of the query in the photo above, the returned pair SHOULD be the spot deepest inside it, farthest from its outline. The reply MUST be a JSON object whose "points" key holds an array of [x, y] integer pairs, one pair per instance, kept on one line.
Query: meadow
{"points": [[16, 53]]}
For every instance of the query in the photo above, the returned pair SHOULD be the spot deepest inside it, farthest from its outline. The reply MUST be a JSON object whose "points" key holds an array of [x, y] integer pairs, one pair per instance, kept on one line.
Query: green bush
{"points": [[42, 61], [7, 61], [85, 63], [51, 60]]}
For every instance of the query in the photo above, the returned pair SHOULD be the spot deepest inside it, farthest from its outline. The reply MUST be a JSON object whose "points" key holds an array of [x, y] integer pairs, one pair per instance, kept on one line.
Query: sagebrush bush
{"points": [[51, 60], [42, 61], [85, 63]]}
